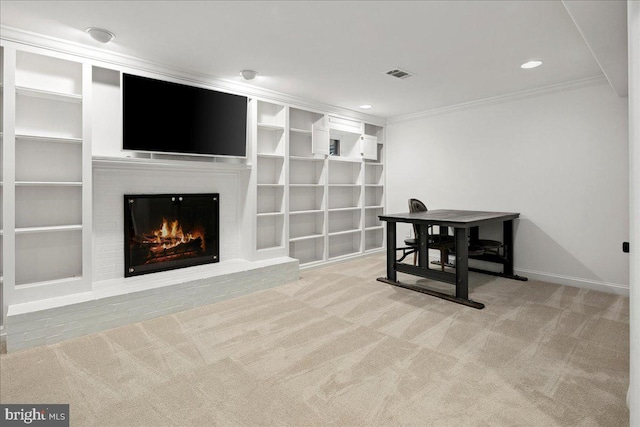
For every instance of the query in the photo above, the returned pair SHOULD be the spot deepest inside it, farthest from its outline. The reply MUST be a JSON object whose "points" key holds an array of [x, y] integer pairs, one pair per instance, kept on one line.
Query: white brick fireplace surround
{"points": [[114, 300], [113, 179]]}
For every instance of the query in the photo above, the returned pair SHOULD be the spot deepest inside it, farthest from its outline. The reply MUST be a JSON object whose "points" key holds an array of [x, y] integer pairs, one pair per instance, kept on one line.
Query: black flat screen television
{"points": [[166, 117]]}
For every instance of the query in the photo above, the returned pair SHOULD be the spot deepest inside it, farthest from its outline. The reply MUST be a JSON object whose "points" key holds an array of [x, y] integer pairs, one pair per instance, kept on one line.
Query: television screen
{"points": [[165, 117]]}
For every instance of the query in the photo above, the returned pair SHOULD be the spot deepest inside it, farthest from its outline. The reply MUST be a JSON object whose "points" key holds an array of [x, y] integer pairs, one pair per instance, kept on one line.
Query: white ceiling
{"points": [[337, 52]]}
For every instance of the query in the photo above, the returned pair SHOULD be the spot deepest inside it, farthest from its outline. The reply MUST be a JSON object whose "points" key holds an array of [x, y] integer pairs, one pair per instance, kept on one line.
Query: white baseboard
{"points": [[576, 282], [337, 260]]}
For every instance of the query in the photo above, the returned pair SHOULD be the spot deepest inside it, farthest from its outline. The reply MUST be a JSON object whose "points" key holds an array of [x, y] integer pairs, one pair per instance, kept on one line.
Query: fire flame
{"points": [[171, 235]]}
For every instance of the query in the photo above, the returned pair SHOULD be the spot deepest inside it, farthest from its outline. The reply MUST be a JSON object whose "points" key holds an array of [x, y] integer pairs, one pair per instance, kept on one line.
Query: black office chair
{"points": [[441, 241]]}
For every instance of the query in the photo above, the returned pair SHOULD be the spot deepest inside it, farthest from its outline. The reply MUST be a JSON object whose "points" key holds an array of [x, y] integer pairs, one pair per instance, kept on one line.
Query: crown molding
{"points": [[107, 59], [516, 96]]}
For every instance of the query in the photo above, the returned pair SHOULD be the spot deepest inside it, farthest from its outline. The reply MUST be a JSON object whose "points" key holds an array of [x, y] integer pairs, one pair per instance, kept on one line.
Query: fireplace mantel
{"points": [[205, 164]]}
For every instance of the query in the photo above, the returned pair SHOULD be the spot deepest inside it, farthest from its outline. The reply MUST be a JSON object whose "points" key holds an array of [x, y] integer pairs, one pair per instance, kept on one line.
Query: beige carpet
{"points": [[340, 348]]}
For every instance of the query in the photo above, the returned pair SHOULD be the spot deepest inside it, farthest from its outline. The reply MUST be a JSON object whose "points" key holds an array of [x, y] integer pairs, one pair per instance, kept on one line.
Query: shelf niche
{"points": [[48, 206], [371, 217], [306, 172], [270, 200], [271, 170], [373, 173], [306, 198], [340, 221], [344, 173], [48, 74], [373, 196], [271, 115], [374, 239], [307, 251], [344, 197], [306, 225], [57, 255], [344, 244], [42, 160], [270, 232]]}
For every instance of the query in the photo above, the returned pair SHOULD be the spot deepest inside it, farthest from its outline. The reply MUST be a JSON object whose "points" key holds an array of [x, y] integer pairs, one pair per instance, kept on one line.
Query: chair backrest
{"points": [[416, 205]]}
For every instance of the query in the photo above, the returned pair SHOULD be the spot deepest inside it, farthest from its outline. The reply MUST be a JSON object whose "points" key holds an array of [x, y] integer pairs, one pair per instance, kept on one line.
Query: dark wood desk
{"points": [[465, 225]]}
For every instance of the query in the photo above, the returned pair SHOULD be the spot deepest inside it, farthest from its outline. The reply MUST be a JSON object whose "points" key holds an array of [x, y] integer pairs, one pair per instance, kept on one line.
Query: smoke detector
{"points": [[399, 73]]}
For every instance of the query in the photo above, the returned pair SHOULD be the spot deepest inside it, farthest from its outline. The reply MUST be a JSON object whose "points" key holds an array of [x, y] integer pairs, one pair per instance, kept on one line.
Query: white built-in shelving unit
{"points": [[374, 188], [345, 203], [329, 201], [310, 203], [270, 154], [46, 175], [307, 187]]}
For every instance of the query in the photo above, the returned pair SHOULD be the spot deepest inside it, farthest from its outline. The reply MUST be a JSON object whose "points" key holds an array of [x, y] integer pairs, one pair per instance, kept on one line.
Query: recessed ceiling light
{"points": [[100, 34], [366, 106], [531, 64], [248, 74]]}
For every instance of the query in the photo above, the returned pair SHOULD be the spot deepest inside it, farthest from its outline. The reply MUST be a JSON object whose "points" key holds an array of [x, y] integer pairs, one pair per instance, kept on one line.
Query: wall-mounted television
{"points": [[166, 117]]}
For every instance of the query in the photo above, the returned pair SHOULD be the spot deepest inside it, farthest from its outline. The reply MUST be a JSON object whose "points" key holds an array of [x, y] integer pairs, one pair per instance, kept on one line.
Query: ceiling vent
{"points": [[399, 73]]}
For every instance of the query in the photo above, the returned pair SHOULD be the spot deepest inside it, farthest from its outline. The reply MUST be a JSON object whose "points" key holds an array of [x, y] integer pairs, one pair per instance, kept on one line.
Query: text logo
{"points": [[54, 415]]}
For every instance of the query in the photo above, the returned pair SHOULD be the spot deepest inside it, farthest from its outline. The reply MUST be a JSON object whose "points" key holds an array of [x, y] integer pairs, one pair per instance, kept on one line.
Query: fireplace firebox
{"points": [[169, 231]]}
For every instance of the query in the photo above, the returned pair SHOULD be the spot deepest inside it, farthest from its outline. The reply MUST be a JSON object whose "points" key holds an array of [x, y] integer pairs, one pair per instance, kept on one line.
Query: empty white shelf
{"points": [[309, 237], [45, 138], [312, 211], [270, 127], [306, 159], [338, 233], [271, 155], [48, 183], [45, 94], [48, 229], [345, 159], [352, 208], [302, 131], [265, 214]]}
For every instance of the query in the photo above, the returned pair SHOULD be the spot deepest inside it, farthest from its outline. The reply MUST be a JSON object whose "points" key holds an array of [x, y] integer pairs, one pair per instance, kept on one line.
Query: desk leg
{"points": [[474, 234], [423, 248], [391, 251], [462, 263], [507, 235]]}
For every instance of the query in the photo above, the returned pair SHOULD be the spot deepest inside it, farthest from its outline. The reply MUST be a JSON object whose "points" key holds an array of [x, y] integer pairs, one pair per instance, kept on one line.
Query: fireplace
{"points": [[169, 231]]}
